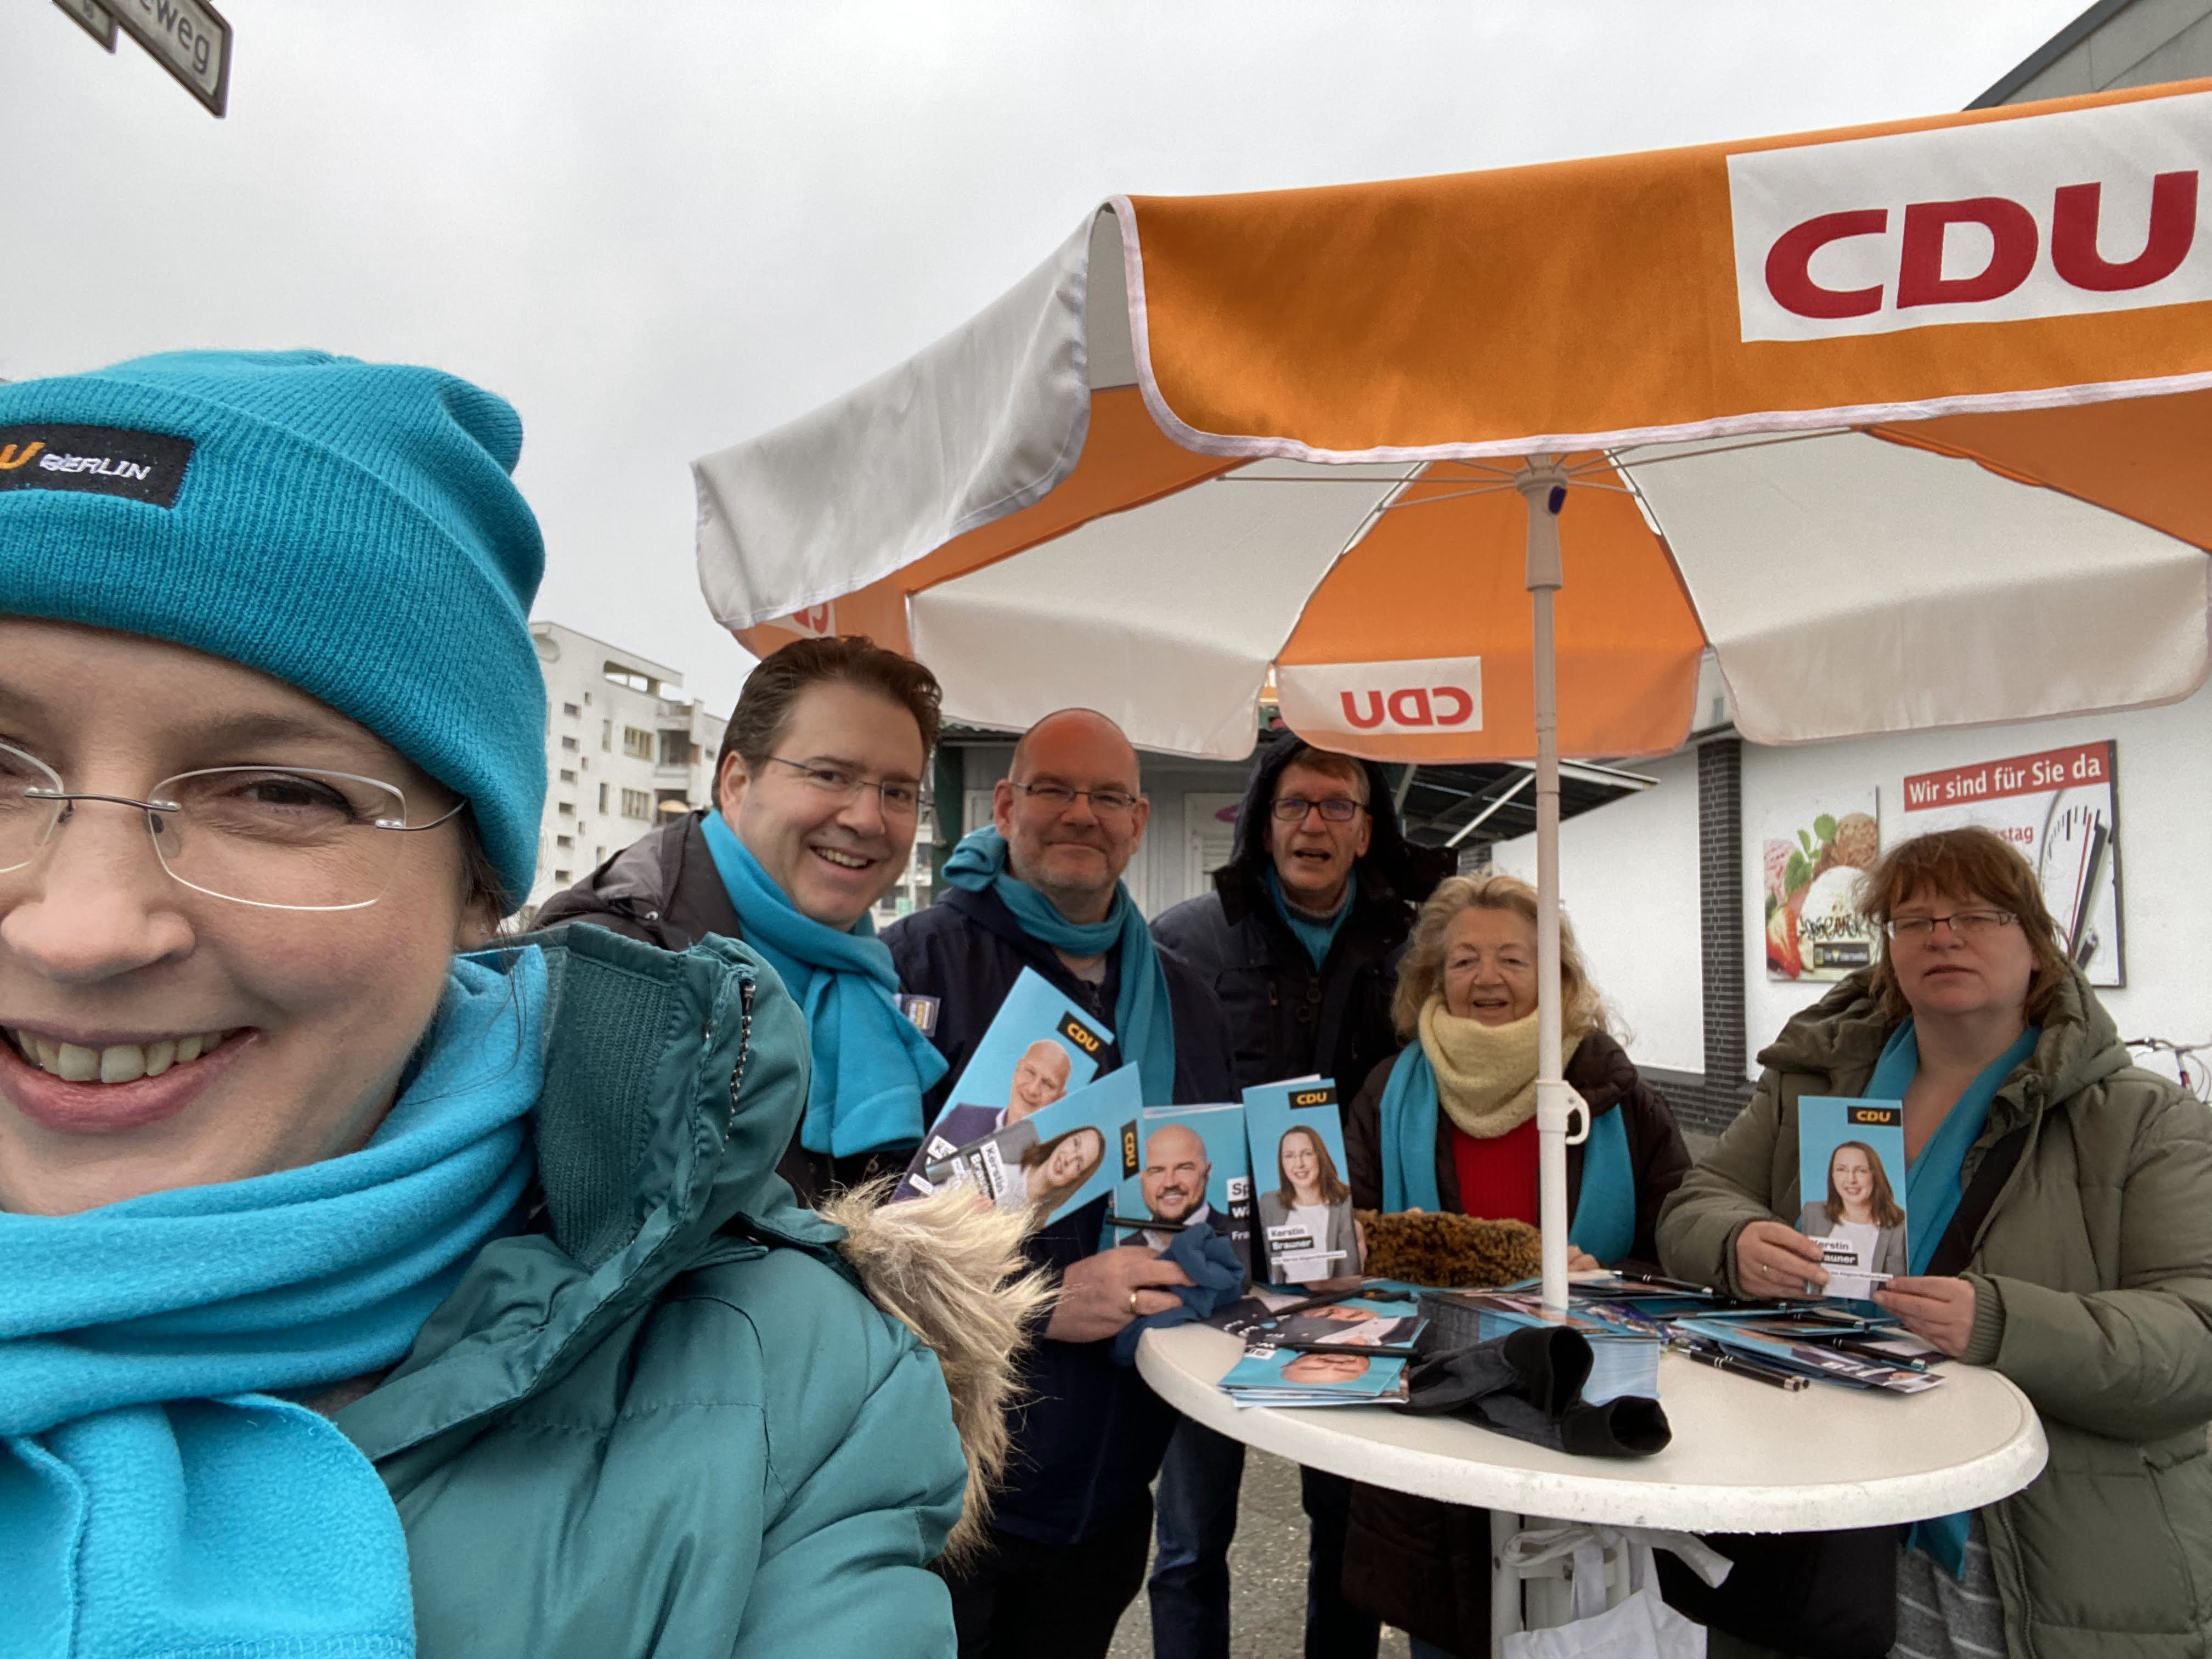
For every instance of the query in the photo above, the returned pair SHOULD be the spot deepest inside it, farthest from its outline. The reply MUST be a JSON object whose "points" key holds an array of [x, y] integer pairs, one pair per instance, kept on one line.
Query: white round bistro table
{"points": [[1745, 1457]]}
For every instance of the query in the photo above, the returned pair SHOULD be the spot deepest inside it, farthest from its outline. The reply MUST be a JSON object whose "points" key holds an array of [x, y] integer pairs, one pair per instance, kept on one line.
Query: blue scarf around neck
{"points": [[1143, 1023], [1318, 937], [155, 1495], [1933, 1192], [1604, 1222], [872, 1065]]}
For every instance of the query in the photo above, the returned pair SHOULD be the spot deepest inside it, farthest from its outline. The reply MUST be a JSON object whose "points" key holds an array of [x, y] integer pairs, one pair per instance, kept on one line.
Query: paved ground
{"points": [[1267, 1568]]}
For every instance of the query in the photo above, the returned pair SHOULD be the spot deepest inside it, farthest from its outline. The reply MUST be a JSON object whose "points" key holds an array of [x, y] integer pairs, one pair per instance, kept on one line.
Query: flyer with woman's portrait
{"points": [[1850, 1175], [1039, 1046], [1054, 1159], [1305, 1223]]}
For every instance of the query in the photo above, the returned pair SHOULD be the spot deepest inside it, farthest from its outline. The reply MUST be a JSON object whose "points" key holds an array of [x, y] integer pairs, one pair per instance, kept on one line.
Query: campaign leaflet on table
{"points": [[1274, 1373], [1055, 1159], [1303, 1228], [1039, 1046], [1180, 1165], [1851, 1179]]}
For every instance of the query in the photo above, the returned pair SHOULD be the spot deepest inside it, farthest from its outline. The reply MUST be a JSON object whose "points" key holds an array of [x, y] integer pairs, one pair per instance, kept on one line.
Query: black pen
{"points": [[1127, 1225], [1737, 1365], [1660, 1281], [1261, 1337]]}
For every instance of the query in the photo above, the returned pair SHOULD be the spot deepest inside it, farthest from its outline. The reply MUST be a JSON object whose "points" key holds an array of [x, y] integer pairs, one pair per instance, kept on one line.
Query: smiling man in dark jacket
{"points": [[1300, 939], [1042, 888]]}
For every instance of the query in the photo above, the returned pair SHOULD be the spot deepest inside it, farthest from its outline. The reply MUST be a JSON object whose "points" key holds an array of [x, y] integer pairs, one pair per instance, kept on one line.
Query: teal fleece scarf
{"points": [[155, 1497], [1318, 937], [1932, 1195], [871, 1065], [1143, 1023], [1604, 1222]]}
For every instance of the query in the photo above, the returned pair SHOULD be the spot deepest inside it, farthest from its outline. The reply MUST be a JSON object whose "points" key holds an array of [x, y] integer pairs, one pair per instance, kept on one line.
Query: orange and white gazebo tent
{"points": [[1911, 425]]}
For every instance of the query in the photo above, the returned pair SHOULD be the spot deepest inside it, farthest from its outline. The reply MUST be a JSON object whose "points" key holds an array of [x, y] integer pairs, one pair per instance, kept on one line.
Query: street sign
{"points": [[188, 37], [94, 18]]}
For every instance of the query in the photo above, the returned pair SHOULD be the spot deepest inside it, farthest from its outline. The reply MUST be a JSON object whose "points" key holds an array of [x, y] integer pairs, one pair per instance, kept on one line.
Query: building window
{"points": [[567, 777], [637, 745], [560, 875], [675, 748], [598, 856], [603, 798], [570, 709], [635, 804], [566, 844], [618, 674], [569, 743], [567, 809], [607, 736]]}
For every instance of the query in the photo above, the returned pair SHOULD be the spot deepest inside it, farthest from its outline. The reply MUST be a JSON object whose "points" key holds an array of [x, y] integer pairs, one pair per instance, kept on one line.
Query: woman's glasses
{"points": [[281, 837], [1964, 924]]}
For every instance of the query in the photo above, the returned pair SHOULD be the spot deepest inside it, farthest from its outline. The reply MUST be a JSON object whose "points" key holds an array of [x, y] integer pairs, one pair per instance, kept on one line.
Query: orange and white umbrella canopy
{"points": [[1911, 424]]}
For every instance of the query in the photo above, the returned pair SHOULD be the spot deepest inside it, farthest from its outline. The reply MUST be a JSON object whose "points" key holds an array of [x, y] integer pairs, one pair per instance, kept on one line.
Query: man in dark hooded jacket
{"points": [[1300, 939]]}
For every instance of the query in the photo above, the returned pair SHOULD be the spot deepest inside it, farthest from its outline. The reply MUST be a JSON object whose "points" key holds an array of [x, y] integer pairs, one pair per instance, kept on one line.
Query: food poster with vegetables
{"points": [[1039, 1046], [1057, 1158], [1814, 856], [1182, 1165], [1305, 1230], [2060, 807]]}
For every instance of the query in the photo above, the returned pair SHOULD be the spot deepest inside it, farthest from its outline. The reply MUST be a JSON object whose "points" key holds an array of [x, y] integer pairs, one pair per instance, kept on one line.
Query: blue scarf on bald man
{"points": [[1143, 1025], [871, 1066]]}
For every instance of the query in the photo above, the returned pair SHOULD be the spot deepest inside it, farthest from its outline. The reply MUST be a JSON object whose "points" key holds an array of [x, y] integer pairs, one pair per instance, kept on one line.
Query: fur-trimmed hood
{"points": [[951, 1271]]}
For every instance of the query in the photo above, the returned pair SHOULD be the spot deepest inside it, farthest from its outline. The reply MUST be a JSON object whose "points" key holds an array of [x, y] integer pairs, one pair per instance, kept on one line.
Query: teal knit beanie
{"points": [[347, 528]]}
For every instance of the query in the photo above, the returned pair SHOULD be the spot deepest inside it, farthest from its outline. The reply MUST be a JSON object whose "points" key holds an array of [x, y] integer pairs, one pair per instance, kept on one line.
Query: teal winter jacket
{"points": [[663, 1418]]}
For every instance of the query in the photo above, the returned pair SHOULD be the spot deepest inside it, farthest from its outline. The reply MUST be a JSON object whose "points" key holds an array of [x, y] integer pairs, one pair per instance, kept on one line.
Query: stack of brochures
{"points": [[1344, 1350]]}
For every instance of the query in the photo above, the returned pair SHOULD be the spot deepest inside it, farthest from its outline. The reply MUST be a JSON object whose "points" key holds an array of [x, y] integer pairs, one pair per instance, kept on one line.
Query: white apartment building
{"points": [[624, 746]]}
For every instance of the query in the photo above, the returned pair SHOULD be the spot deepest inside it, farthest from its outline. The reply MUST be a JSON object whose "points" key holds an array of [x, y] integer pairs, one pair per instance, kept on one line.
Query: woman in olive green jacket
{"points": [[2089, 1284]]}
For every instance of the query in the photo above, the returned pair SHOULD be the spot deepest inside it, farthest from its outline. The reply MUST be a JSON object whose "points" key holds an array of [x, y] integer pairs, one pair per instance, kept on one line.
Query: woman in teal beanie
{"points": [[364, 1293]]}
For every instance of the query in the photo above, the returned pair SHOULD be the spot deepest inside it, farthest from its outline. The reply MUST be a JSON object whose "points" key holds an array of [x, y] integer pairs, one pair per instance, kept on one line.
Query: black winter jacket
{"points": [[1090, 1440], [1289, 1017], [663, 889]]}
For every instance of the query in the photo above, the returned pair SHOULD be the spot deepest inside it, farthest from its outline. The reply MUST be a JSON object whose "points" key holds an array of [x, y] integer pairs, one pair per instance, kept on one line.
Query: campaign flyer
{"points": [[1850, 1177], [1303, 1207], [1182, 1165], [1055, 1158], [1039, 1046]]}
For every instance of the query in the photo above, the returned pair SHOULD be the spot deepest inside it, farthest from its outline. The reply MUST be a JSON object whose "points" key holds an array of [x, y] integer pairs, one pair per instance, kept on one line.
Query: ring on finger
{"points": [[1133, 1304]]}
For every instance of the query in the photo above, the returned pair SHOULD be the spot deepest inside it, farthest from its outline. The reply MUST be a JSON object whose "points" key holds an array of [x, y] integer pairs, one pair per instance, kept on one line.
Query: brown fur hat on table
{"points": [[1463, 1250]]}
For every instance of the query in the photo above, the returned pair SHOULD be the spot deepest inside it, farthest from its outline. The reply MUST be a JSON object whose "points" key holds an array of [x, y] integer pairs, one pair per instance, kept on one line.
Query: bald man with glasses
{"points": [[1041, 888]]}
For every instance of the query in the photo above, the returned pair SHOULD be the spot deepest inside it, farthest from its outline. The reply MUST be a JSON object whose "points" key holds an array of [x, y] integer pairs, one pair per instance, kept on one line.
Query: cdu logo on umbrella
{"points": [[1430, 694], [2078, 212]]}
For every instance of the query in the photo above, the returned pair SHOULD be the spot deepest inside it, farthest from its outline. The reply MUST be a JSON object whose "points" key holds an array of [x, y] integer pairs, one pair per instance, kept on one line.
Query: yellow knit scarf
{"points": [[1485, 1074]]}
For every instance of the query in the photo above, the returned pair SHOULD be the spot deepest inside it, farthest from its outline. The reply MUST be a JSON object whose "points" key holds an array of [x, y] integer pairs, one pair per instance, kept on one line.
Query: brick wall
{"points": [[1707, 1104]]}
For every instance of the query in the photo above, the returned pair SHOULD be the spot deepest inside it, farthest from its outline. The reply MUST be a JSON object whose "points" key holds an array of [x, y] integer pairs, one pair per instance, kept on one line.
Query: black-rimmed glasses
{"points": [[278, 837], [1292, 809]]}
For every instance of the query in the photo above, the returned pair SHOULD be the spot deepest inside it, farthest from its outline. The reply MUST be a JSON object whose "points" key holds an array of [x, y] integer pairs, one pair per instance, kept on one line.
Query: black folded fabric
{"points": [[1528, 1383]]}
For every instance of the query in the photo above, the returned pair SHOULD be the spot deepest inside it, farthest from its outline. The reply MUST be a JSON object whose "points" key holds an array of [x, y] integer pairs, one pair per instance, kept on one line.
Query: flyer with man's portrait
{"points": [[1039, 1047], [1182, 1164]]}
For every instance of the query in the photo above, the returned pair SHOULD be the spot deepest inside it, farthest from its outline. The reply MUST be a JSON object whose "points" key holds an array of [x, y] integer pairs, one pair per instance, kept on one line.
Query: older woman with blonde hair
{"points": [[1451, 1124], [2057, 1231]]}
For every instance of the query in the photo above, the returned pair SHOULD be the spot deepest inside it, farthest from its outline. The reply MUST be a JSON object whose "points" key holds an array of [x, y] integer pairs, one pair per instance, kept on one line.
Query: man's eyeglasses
{"points": [[278, 837], [1107, 803], [1964, 924], [901, 800], [1292, 809]]}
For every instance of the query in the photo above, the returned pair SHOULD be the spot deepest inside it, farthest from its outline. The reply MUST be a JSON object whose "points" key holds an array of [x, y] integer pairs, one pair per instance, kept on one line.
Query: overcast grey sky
{"points": [[661, 228]]}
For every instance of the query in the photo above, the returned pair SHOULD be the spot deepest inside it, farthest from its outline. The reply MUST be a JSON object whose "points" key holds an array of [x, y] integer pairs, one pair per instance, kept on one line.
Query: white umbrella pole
{"points": [[1543, 487]]}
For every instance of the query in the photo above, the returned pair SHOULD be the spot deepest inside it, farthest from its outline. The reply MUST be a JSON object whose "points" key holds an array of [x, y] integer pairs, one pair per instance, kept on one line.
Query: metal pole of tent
{"points": [[1543, 485]]}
